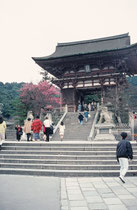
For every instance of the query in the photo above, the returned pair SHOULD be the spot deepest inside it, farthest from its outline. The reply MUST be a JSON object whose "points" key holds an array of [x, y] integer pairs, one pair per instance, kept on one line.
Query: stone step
{"points": [[65, 173], [43, 156], [78, 132], [62, 152], [64, 148], [63, 167], [37, 156], [60, 160], [65, 144], [10, 133], [33, 152], [58, 148]]}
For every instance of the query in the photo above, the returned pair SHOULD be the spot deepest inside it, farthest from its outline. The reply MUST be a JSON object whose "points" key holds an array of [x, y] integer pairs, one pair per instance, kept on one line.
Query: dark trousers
{"points": [[28, 136], [47, 132], [18, 136]]}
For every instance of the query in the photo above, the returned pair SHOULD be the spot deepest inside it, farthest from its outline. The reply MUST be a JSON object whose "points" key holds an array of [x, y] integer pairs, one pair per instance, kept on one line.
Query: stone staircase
{"points": [[62, 159], [74, 131]]}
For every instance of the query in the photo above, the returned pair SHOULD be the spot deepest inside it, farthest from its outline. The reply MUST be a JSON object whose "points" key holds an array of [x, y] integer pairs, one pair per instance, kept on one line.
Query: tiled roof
{"points": [[89, 46]]}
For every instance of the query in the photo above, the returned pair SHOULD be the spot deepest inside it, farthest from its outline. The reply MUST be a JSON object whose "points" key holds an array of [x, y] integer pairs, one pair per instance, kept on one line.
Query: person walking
{"points": [[47, 124], [89, 107], [36, 128], [124, 152], [2, 129], [80, 117], [92, 107], [79, 107], [27, 129], [86, 113], [19, 132], [61, 130]]}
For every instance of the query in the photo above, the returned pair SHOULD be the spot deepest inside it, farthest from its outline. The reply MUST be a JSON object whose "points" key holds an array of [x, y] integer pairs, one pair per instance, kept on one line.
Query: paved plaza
{"points": [[52, 193], [98, 193], [29, 193]]}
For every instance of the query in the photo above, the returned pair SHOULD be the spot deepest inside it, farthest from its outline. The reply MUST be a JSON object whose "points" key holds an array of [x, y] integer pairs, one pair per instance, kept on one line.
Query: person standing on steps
{"points": [[86, 114], [61, 130], [47, 125], [2, 129], [19, 132], [124, 152], [80, 117], [36, 128], [79, 107], [27, 128]]}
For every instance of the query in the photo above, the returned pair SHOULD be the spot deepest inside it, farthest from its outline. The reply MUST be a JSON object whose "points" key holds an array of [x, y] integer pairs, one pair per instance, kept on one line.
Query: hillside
{"points": [[9, 93]]}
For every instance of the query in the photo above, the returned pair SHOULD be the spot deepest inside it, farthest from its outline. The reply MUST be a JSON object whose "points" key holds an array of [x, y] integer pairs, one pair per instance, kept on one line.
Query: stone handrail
{"points": [[92, 132], [57, 126]]}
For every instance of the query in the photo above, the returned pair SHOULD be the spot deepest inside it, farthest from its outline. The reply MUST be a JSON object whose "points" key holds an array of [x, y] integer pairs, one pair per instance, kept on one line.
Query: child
{"points": [[61, 130], [80, 117], [19, 132]]}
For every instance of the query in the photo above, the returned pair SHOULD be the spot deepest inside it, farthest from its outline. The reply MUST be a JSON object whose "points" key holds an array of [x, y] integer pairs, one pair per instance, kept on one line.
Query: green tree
{"points": [[20, 110], [8, 93]]}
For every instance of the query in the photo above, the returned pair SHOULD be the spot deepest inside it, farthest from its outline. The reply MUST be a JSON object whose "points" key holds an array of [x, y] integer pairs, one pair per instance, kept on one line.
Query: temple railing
{"points": [[92, 132], [62, 118]]}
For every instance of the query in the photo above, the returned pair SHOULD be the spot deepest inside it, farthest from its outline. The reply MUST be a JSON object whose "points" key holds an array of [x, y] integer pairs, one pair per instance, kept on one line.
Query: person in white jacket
{"points": [[61, 130], [2, 129], [47, 124]]}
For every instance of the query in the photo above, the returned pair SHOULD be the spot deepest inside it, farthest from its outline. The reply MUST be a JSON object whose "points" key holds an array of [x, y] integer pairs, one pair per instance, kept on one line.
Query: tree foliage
{"points": [[124, 99], [39, 97], [131, 93], [118, 104], [9, 92], [20, 111]]}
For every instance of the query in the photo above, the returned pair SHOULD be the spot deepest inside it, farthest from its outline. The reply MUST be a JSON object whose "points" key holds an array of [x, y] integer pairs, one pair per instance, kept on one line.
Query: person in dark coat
{"points": [[124, 152], [80, 117], [19, 132]]}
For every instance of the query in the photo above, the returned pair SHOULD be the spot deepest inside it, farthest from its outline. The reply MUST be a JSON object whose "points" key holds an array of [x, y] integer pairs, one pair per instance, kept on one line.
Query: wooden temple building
{"points": [[84, 67]]}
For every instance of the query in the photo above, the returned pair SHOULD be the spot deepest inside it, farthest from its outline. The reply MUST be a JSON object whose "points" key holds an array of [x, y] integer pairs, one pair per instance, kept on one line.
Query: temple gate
{"points": [[83, 67]]}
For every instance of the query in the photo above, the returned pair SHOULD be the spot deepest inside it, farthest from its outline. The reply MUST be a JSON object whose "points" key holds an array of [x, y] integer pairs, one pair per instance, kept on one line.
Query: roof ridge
{"points": [[92, 40]]}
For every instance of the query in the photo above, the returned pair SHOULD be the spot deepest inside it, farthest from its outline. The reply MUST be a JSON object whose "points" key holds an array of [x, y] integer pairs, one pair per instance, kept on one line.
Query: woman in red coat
{"points": [[36, 128]]}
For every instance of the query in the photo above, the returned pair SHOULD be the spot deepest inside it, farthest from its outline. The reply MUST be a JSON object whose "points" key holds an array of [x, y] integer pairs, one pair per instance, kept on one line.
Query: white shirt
{"points": [[47, 123], [61, 129]]}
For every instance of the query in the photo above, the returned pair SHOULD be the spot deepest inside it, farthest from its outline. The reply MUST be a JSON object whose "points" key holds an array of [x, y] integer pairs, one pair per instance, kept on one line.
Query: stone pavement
{"points": [[54, 193], [29, 193], [98, 193]]}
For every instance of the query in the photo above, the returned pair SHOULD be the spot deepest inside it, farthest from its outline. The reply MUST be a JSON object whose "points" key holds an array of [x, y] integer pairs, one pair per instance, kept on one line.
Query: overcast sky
{"points": [[32, 28]]}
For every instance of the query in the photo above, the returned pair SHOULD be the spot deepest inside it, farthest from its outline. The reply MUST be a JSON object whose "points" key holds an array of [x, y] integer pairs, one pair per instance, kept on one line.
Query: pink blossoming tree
{"points": [[40, 97]]}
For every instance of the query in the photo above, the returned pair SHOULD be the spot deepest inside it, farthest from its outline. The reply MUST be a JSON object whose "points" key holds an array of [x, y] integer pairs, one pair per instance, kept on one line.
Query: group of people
{"points": [[81, 116], [33, 128], [86, 109], [124, 151], [90, 106]]}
